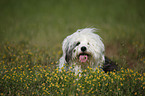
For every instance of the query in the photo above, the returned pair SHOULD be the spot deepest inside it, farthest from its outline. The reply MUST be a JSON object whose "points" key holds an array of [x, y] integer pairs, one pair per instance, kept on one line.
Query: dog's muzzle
{"points": [[83, 57]]}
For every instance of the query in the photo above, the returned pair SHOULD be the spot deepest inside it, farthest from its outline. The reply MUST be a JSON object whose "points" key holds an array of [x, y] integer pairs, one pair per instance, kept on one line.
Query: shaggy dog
{"points": [[84, 48]]}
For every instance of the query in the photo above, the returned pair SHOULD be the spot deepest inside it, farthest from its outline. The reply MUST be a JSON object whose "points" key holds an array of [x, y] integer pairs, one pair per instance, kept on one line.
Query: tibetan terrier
{"points": [[82, 49]]}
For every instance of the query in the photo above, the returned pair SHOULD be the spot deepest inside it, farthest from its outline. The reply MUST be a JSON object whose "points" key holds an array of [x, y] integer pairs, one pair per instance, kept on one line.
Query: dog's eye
{"points": [[74, 51], [77, 43]]}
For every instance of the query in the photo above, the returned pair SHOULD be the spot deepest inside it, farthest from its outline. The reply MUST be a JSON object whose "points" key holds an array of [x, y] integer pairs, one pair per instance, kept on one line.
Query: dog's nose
{"points": [[83, 48]]}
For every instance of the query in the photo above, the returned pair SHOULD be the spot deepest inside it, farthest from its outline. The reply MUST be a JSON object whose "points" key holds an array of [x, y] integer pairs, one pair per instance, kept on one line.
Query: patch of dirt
{"points": [[126, 54], [111, 50]]}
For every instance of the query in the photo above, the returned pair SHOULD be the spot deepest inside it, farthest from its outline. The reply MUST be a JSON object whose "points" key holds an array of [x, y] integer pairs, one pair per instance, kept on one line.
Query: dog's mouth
{"points": [[83, 57]]}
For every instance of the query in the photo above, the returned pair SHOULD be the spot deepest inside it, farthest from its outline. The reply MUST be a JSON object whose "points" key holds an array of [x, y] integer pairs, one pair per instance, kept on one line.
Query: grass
{"points": [[36, 21], [31, 34], [28, 71]]}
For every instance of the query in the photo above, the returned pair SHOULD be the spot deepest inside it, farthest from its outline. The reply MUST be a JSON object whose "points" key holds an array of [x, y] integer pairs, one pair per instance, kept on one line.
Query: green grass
{"points": [[41, 22], [29, 70], [31, 33]]}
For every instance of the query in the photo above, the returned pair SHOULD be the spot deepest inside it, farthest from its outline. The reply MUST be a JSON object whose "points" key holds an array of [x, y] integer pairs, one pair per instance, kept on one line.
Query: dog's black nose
{"points": [[83, 48]]}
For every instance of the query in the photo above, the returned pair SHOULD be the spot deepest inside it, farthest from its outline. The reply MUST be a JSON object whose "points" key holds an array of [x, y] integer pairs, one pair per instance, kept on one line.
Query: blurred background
{"points": [[48, 22]]}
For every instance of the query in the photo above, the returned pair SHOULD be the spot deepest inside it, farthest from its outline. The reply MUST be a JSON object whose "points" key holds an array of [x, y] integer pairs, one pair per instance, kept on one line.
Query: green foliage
{"points": [[28, 70], [42, 21]]}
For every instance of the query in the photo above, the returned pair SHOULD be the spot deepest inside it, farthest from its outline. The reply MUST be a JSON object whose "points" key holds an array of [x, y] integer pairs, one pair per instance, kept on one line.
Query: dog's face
{"points": [[83, 47], [82, 51]]}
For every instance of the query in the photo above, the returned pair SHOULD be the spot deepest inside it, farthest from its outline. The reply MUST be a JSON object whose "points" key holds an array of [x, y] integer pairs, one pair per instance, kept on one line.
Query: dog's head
{"points": [[83, 46]]}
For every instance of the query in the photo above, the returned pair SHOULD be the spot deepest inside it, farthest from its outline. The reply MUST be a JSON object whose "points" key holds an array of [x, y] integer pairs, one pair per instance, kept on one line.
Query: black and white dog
{"points": [[84, 48]]}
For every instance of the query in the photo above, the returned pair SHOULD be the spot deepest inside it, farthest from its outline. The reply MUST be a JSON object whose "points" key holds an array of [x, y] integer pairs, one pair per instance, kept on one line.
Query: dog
{"points": [[82, 49]]}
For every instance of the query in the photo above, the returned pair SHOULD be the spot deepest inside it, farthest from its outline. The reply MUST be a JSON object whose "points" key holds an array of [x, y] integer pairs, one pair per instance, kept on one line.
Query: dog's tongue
{"points": [[83, 58]]}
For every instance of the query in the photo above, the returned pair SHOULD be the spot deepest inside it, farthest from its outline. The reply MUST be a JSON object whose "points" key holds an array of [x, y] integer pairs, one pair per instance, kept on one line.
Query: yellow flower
{"points": [[143, 74], [98, 78], [30, 71], [92, 91], [62, 86], [121, 79], [83, 93], [78, 89], [27, 65], [62, 68], [113, 73], [52, 84], [104, 78], [90, 68], [57, 92], [94, 80], [122, 71], [57, 86], [46, 91], [2, 94], [99, 84], [121, 84]]}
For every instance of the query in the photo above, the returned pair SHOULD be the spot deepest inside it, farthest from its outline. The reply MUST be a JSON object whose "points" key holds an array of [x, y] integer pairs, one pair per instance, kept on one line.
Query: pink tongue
{"points": [[83, 58]]}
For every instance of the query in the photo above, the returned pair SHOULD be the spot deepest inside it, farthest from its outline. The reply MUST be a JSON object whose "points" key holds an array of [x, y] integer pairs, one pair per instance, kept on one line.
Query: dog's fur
{"points": [[84, 48]]}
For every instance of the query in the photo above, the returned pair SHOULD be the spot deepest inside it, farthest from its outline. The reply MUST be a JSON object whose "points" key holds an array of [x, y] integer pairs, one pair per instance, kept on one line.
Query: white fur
{"points": [[87, 38]]}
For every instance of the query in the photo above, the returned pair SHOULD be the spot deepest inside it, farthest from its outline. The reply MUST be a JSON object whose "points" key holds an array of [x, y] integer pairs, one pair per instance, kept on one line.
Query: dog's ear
{"points": [[65, 48], [68, 51], [67, 56], [68, 46]]}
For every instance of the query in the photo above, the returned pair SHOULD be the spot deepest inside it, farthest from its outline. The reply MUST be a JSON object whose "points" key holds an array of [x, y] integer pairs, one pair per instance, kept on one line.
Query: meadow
{"points": [[31, 34]]}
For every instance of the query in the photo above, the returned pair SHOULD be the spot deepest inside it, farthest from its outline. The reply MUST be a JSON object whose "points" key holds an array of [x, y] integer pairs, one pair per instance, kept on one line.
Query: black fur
{"points": [[109, 65], [69, 51], [68, 55]]}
